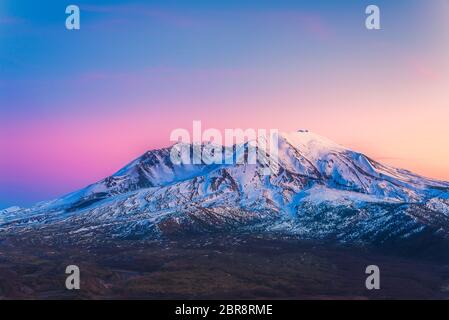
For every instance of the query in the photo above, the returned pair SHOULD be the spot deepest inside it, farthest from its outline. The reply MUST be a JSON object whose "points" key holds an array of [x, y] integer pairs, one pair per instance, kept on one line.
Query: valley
{"points": [[218, 267]]}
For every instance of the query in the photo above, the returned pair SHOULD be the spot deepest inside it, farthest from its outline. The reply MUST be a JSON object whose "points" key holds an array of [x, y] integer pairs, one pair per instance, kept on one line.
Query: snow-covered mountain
{"points": [[321, 190]]}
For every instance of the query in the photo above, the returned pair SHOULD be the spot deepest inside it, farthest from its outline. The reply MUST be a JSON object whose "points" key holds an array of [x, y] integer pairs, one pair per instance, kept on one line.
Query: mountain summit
{"points": [[322, 190]]}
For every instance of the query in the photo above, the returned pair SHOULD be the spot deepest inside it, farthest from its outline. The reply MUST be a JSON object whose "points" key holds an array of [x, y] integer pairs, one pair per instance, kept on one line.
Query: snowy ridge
{"points": [[321, 190]]}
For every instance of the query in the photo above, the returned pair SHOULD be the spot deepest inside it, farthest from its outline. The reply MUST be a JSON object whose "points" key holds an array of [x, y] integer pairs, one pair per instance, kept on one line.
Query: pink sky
{"points": [[74, 110]]}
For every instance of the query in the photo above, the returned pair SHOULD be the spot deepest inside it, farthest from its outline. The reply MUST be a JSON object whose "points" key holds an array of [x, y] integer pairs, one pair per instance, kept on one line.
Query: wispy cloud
{"points": [[131, 11], [310, 22], [156, 73]]}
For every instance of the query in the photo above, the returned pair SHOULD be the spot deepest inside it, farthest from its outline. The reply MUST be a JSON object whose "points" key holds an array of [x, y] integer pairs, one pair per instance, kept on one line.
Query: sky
{"points": [[76, 106]]}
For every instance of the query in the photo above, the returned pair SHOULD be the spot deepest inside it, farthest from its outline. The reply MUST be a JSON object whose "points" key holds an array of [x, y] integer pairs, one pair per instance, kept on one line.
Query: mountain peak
{"points": [[311, 144], [321, 189]]}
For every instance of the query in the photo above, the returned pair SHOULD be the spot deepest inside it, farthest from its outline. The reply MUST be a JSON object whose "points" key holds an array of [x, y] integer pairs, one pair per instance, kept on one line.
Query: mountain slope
{"points": [[321, 190]]}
